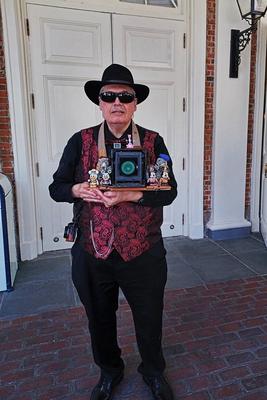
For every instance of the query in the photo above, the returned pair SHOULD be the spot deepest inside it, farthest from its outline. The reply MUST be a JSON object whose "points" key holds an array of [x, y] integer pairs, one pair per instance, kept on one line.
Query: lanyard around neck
{"points": [[102, 152]]}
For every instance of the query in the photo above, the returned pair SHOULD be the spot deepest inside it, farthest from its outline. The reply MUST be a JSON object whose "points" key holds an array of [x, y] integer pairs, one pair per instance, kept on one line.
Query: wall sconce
{"points": [[251, 11]]}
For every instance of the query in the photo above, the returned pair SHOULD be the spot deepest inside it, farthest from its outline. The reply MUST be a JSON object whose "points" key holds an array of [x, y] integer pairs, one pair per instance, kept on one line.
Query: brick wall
{"points": [[209, 100], [250, 121], [6, 154]]}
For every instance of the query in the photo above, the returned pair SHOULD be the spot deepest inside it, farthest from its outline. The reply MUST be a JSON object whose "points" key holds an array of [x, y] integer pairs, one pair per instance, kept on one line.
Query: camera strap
{"points": [[102, 152]]}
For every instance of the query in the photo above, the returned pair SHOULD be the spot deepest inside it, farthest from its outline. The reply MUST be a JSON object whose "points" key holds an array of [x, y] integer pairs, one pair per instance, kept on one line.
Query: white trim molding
{"points": [[258, 125], [116, 7], [13, 25], [196, 115]]}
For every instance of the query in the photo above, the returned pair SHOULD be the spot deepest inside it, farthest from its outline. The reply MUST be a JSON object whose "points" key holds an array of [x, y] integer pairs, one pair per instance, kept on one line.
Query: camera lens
{"points": [[128, 167]]}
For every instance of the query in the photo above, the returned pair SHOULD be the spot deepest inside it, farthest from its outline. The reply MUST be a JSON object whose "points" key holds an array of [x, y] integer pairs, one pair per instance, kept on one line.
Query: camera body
{"points": [[129, 167]]}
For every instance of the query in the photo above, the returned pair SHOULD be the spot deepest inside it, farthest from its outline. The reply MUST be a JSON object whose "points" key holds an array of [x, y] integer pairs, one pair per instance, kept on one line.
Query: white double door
{"points": [[67, 47]]}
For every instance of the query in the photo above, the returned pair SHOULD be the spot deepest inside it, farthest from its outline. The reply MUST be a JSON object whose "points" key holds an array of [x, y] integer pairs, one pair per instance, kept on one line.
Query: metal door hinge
{"points": [[41, 233], [37, 169], [184, 104], [182, 219], [33, 100], [184, 41], [27, 27]]}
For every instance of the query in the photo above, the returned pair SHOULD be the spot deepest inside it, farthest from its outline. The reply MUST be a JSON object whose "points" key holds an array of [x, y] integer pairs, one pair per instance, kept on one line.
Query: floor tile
{"points": [[31, 298], [223, 267], [43, 268], [181, 275], [236, 246], [256, 260]]}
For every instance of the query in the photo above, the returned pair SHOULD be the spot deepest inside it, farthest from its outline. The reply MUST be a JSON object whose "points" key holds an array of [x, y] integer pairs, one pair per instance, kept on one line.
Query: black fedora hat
{"points": [[115, 74]]}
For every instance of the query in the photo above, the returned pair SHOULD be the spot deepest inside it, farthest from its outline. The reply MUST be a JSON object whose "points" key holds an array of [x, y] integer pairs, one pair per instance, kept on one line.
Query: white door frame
{"points": [[260, 89], [16, 64]]}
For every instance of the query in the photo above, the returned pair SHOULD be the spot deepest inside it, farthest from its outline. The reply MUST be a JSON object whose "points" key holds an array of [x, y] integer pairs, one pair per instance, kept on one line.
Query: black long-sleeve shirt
{"points": [[65, 176]]}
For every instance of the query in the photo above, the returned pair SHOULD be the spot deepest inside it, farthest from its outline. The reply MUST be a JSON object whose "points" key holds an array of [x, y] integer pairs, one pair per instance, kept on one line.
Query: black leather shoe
{"points": [[159, 386], [103, 390]]}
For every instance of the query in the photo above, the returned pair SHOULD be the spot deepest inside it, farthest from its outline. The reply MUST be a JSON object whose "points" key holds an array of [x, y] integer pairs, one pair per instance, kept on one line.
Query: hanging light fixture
{"points": [[251, 11]]}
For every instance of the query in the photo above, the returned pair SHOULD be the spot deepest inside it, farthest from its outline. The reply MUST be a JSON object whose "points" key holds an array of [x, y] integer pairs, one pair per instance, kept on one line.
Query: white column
{"points": [[230, 131], [197, 33]]}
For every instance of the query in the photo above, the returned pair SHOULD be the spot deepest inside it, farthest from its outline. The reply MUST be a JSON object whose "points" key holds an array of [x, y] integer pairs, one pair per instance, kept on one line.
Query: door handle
{"points": [[265, 170]]}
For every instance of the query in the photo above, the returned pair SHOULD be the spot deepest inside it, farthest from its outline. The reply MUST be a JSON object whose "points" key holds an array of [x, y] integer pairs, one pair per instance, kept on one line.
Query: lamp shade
{"points": [[252, 8]]}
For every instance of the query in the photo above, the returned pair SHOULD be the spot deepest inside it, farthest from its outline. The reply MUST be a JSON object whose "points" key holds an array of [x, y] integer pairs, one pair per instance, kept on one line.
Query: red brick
{"points": [[197, 396], [17, 375], [225, 392], [212, 365], [53, 393], [251, 332], [262, 352], [240, 358], [255, 382], [202, 382], [51, 347], [202, 333], [234, 373], [72, 374], [259, 367], [234, 326], [255, 396], [182, 373], [36, 383], [6, 391], [245, 344]]}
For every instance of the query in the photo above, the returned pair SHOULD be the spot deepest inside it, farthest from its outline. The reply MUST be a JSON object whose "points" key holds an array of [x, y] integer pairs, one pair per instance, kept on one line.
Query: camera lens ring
{"points": [[128, 167]]}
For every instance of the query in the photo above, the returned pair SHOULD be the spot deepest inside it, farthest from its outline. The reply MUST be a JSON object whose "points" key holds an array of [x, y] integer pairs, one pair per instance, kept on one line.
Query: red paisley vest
{"points": [[130, 228]]}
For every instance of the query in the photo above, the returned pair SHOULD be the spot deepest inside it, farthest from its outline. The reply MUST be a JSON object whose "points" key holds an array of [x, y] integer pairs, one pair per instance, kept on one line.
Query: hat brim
{"points": [[92, 89]]}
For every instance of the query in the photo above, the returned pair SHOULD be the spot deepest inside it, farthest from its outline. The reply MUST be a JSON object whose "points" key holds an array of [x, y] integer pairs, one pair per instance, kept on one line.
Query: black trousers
{"points": [[142, 281]]}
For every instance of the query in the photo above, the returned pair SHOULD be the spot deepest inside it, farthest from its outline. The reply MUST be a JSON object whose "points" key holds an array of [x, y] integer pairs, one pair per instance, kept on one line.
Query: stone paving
{"points": [[215, 343]]}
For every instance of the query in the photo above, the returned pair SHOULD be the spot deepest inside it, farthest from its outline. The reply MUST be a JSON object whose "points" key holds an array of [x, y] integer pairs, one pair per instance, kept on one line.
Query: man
{"points": [[119, 242]]}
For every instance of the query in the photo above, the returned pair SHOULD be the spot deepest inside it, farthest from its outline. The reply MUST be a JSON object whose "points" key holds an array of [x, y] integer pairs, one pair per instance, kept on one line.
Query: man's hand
{"points": [[83, 191], [109, 198]]}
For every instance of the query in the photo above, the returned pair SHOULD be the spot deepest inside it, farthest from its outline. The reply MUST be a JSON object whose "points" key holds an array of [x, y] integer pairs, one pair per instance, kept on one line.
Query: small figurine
{"points": [[93, 178], [152, 179], [105, 179], [130, 144], [102, 164], [104, 169], [159, 167], [162, 169], [165, 175]]}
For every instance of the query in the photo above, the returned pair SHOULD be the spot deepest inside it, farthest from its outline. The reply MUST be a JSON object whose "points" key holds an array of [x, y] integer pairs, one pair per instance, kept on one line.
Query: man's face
{"points": [[117, 113]]}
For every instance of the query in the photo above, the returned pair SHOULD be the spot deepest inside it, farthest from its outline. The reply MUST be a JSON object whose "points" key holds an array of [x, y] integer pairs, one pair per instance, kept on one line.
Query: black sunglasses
{"points": [[110, 97]]}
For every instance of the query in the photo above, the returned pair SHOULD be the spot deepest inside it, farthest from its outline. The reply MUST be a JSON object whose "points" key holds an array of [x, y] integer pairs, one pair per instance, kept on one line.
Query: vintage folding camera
{"points": [[129, 167]]}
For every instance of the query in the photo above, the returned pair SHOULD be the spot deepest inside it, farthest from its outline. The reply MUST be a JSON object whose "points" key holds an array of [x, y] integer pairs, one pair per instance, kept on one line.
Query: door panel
{"points": [[153, 50], [67, 47]]}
